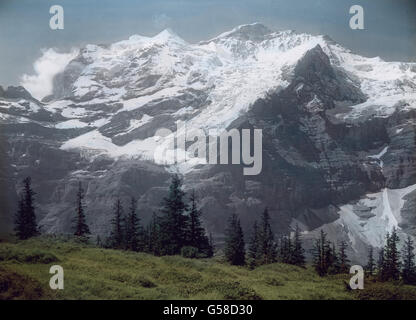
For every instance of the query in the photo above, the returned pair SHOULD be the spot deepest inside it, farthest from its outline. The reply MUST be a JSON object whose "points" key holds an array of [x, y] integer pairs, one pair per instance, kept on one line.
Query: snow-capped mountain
{"points": [[338, 131]]}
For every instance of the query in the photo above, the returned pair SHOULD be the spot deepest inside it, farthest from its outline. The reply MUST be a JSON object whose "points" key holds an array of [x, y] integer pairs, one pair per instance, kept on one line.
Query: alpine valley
{"points": [[339, 138]]}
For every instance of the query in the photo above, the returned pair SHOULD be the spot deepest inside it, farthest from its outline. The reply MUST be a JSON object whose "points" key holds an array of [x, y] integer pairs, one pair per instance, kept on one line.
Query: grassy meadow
{"points": [[96, 273]]}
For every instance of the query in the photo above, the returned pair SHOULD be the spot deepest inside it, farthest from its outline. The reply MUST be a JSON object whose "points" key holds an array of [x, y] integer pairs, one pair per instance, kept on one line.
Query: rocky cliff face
{"points": [[338, 133]]}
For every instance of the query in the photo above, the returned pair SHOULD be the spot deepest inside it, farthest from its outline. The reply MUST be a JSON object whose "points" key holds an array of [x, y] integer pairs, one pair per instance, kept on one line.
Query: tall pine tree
{"points": [[134, 232], [20, 219], [298, 254], [333, 260], [254, 247], [116, 239], [173, 222], [81, 227], [153, 237], [268, 250], [344, 266], [381, 264], [392, 259], [409, 268], [25, 219], [370, 267], [234, 242], [320, 254], [286, 249], [211, 246], [195, 233]]}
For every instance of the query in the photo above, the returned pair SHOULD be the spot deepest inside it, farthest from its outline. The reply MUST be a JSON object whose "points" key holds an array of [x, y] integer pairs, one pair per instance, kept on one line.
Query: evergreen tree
{"points": [[409, 268], [32, 228], [116, 239], [344, 266], [133, 229], [333, 260], [234, 242], [98, 242], [153, 242], [320, 254], [285, 253], [268, 253], [211, 246], [81, 227], [381, 264], [329, 258], [146, 238], [318, 258], [195, 233], [392, 258], [20, 220], [173, 222], [254, 247], [25, 219], [370, 264], [298, 254]]}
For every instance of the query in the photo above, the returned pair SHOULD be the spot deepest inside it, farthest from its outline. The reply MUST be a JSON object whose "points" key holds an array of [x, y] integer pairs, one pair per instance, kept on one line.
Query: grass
{"points": [[95, 273]]}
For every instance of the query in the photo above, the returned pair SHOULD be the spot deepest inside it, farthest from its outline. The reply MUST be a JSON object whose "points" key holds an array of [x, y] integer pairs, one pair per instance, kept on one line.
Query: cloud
{"points": [[46, 67], [161, 21]]}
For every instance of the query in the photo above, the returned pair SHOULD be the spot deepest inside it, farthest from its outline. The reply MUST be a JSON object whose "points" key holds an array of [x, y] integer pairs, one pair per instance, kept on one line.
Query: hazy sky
{"points": [[390, 25]]}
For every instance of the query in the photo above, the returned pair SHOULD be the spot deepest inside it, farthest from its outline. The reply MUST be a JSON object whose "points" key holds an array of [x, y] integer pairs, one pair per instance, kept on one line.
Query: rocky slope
{"points": [[338, 133]]}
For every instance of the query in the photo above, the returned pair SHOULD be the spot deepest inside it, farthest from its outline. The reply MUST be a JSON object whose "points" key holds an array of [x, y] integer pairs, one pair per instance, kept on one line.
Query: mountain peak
{"points": [[247, 32], [168, 35], [314, 64], [15, 92]]}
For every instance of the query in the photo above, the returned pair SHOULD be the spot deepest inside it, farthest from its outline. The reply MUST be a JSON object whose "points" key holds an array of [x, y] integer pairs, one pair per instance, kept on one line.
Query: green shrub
{"points": [[234, 291], [273, 282], [20, 255], [386, 291], [40, 257], [145, 282], [15, 286], [189, 252]]}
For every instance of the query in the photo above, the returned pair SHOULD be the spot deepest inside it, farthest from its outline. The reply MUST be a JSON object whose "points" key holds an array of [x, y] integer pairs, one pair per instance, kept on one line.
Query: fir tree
{"points": [[154, 245], [133, 229], [329, 258], [254, 247], [195, 233], [285, 254], [116, 239], [98, 242], [381, 264], [333, 261], [320, 254], [409, 268], [298, 254], [344, 266], [318, 258], [25, 219], [392, 258], [211, 247], [32, 228], [234, 242], [173, 222], [20, 220], [81, 227], [268, 251], [370, 264]]}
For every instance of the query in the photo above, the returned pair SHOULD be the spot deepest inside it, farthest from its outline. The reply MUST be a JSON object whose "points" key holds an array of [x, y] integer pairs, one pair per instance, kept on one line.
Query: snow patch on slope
{"points": [[71, 124], [101, 145], [373, 216]]}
